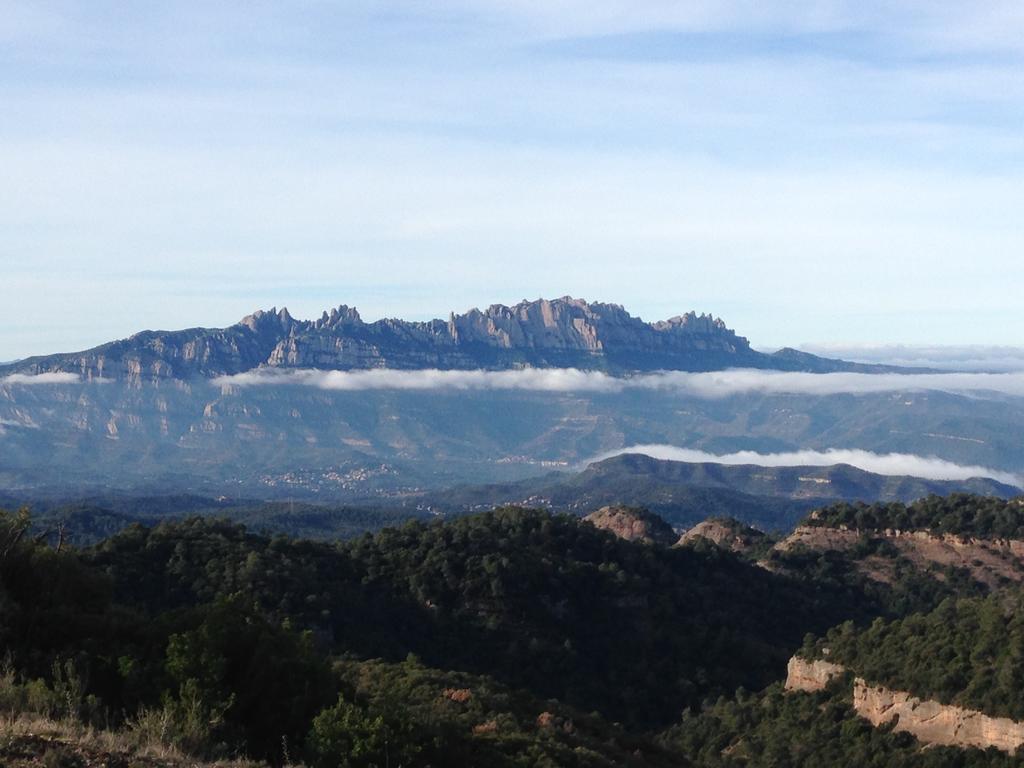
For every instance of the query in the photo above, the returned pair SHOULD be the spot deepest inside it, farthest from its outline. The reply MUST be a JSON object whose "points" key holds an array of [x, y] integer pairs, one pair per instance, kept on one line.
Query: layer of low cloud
{"points": [[539, 379], [968, 358], [27, 379], [927, 467], [710, 385]]}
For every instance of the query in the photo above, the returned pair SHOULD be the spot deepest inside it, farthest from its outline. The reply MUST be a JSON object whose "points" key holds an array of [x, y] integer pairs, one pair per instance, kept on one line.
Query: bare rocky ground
{"points": [[931, 722], [728, 534], [633, 524], [992, 562]]}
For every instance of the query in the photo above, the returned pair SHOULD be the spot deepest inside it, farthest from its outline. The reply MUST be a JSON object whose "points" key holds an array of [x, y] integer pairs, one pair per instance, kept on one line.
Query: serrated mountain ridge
{"points": [[564, 332]]}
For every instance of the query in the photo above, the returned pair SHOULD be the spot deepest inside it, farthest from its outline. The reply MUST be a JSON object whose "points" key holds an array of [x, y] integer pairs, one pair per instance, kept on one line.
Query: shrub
{"points": [[347, 736]]}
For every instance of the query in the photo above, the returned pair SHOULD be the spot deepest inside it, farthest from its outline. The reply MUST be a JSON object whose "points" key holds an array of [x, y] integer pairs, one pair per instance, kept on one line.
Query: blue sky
{"points": [[828, 172]]}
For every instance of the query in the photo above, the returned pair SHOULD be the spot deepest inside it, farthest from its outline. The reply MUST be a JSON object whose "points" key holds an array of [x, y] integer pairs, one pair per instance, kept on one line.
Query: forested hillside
{"points": [[201, 622], [515, 637], [959, 514], [965, 652], [821, 730], [535, 599]]}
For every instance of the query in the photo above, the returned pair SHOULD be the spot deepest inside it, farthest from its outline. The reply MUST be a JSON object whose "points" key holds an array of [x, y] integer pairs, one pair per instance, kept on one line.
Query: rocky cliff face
{"points": [[633, 524], [930, 722], [810, 676], [564, 332], [935, 723]]}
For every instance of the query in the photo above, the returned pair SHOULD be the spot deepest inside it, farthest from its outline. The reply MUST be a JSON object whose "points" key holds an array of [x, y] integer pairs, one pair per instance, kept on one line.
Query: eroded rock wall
{"points": [[935, 723], [810, 676], [929, 721]]}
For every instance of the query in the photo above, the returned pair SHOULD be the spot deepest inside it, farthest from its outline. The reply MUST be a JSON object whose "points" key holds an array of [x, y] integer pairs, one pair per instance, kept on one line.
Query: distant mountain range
{"points": [[563, 332], [773, 498], [148, 415]]}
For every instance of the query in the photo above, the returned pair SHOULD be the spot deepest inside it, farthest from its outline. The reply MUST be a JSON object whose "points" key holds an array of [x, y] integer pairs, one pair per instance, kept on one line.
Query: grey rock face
{"points": [[562, 332]]}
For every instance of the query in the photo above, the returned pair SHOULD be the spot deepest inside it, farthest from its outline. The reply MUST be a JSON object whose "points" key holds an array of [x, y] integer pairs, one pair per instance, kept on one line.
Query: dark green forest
{"points": [[89, 522], [911, 587], [773, 728], [515, 637], [231, 636], [968, 652], [960, 514]]}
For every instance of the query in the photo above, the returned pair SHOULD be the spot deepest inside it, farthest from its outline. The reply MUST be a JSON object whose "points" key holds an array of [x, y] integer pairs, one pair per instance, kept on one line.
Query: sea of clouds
{"points": [[28, 379], [928, 467], [968, 357], [710, 385], [707, 385]]}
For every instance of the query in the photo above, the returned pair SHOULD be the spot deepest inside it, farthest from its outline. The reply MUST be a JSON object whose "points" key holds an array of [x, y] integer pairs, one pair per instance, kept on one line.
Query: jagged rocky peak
{"points": [[570, 323], [340, 317], [270, 319], [566, 332], [565, 323], [691, 322]]}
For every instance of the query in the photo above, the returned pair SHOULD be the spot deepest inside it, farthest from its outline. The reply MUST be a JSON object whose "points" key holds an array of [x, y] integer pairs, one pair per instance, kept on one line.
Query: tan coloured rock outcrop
{"points": [[989, 561], [929, 721], [633, 524], [819, 537], [810, 676], [725, 534], [935, 723]]}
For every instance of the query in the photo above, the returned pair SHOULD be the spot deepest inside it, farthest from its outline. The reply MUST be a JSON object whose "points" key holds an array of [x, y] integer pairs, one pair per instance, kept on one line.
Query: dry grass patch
{"points": [[29, 740]]}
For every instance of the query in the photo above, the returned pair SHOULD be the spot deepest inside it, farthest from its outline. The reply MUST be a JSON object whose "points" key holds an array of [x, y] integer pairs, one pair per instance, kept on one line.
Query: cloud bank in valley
{"points": [[27, 379], [709, 385], [538, 379], [927, 467], [969, 357]]}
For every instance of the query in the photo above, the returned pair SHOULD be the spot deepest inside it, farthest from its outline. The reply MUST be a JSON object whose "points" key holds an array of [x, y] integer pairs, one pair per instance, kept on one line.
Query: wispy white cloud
{"points": [[943, 25], [744, 381], [927, 467], [711, 385], [540, 379], [27, 379], [969, 358]]}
